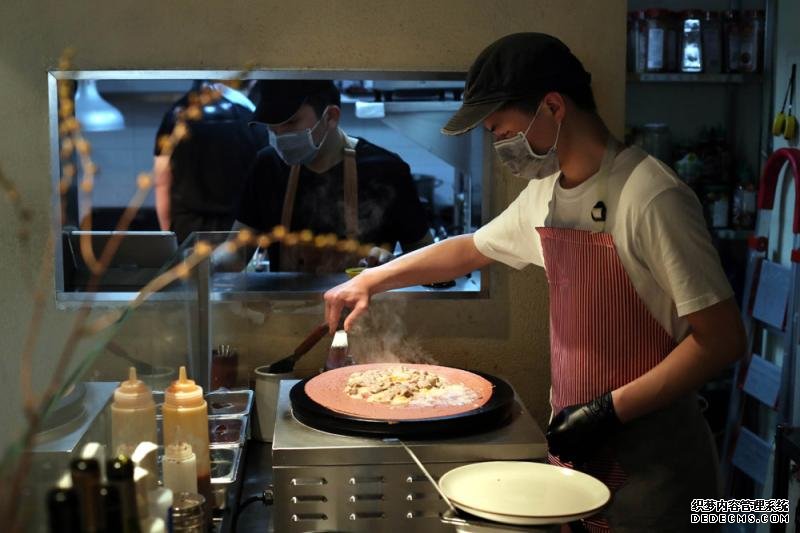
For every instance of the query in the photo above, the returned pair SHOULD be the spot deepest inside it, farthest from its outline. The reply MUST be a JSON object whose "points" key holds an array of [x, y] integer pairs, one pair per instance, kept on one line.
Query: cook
{"points": [[316, 177], [641, 314]]}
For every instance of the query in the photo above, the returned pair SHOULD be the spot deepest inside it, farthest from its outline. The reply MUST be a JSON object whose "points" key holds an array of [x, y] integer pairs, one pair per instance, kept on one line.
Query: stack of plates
{"points": [[524, 493]]}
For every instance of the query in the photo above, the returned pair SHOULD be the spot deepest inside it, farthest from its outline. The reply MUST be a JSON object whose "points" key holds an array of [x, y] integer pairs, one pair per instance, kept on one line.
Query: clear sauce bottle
{"points": [[133, 415]]}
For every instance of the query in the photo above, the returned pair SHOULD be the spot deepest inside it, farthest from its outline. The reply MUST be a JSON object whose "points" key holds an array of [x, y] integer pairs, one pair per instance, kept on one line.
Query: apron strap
{"points": [[599, 210], [350, 189], [288, 199]]}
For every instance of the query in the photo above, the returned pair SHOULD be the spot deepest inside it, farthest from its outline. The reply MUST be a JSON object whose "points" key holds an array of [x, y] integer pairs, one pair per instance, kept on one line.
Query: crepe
{"points": [[399, 391]]}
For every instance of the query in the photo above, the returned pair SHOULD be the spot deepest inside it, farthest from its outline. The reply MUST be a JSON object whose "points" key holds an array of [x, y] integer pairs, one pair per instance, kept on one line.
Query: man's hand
{"points": [[354, 295], [579, 431]]}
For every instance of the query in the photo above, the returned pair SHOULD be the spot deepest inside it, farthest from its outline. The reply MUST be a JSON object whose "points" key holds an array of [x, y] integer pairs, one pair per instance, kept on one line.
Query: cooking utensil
{"points": [[339, 352], [286, 364], [524, 493], [424, 471], [224, 367]]}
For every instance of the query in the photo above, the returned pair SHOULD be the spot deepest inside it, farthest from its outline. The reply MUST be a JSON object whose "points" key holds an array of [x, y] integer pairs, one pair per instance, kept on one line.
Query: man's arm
{"points": [[442, 261], [716, 340], [163, 183]]}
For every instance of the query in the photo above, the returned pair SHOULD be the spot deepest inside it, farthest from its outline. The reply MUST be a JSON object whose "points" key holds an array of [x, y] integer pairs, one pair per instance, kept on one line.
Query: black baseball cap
{"points": [[515, 67], [280, 99]]}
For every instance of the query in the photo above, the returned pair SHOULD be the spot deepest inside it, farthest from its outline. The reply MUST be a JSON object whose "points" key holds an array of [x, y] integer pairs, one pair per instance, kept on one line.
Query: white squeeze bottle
{"points": [[185, 408], [133, 415], [180, 468]]}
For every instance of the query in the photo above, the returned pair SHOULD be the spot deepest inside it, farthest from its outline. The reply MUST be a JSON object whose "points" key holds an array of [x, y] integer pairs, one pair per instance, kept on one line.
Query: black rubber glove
{"points": [[579, 431]]}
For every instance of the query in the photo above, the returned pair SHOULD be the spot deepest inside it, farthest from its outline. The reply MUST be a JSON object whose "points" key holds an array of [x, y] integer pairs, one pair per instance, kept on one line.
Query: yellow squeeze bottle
{"points": [[185, 408], [133, 415]]}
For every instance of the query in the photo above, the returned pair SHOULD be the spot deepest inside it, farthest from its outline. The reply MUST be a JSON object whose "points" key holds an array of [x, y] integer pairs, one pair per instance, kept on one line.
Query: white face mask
{"points": [[297, 147], [516, 154]]}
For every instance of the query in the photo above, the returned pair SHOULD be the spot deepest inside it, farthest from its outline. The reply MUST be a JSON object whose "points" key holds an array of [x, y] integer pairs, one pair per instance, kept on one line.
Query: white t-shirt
{"points": [[658, 229]]}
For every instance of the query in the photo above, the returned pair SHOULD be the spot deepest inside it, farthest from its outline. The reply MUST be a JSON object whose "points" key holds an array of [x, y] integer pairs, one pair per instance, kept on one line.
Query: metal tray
{"points": [[223, 432], [221, 403]]}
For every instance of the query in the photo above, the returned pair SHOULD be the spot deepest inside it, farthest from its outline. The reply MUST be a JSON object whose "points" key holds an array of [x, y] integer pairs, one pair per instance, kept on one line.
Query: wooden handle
{"points": [[313, 338]]}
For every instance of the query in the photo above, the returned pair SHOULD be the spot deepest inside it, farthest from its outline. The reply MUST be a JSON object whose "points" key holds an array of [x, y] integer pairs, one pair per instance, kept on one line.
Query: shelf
{"points": [[682, 77]]}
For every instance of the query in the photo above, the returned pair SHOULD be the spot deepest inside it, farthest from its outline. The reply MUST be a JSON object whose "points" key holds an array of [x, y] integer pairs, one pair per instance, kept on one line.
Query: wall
{"points": [[507, 335]]}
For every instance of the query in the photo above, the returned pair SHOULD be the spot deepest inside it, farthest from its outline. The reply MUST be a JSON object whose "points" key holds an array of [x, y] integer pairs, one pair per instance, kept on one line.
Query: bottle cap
{"points": [[179, 451], [133, 393], [119, 468], [85, 466], [183, 392]]}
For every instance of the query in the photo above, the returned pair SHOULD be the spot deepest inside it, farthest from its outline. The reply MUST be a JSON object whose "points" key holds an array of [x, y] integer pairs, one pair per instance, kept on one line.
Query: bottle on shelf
{"points": [[185, 408], [733, 40], [752, 41], [111, 505], [187, 513], [743, 206], [180, 468], [119, 472], [712, 43], [133, 415], [86, 481], [691, 41], [64, 510]]}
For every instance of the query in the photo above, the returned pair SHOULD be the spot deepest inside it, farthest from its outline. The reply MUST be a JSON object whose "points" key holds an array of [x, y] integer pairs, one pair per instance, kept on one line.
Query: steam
{"points": [[380, 336]]}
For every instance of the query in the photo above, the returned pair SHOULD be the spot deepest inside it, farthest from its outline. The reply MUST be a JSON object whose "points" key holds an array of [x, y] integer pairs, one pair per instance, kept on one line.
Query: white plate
{"points": [[524, 493]]}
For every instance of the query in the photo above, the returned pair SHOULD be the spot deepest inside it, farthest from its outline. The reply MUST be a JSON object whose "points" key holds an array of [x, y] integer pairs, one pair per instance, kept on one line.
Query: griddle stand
{"points": [[328, 482]]}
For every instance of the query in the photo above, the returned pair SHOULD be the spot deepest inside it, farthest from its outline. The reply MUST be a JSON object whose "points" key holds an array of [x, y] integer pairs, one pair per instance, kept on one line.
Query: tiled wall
{"points": [[122, 155]]}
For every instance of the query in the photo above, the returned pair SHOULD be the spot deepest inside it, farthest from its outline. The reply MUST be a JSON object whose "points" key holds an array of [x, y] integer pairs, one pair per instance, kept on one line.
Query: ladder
{"points": [[764, 390]]}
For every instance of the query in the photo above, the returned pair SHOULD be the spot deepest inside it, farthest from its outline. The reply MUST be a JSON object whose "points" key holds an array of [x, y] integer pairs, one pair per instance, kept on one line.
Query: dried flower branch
{"points": [[73, 143]]}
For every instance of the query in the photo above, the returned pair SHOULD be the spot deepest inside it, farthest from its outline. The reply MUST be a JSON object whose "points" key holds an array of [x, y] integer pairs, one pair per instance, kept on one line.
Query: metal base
{"points": [[325, 481]]}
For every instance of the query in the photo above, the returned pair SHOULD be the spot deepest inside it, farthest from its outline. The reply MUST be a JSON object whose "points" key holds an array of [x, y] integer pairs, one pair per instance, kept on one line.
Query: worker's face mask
{"points": [[298, 147], [520, 159]]}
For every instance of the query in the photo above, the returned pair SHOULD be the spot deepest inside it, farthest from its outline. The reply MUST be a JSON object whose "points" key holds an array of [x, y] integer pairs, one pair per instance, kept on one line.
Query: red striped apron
{"points": [[601, 334]]}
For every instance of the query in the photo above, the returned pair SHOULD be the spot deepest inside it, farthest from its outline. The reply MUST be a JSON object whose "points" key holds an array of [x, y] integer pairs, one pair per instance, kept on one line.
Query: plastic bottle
{"points": [[133, 415], [185, 408], [180, 468], [120, 475], [64, 511], [159, 499], [86, 481]]}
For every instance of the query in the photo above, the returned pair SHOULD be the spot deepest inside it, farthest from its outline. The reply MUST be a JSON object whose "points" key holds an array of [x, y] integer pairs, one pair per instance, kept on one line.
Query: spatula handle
{"points": [[309, 342]]}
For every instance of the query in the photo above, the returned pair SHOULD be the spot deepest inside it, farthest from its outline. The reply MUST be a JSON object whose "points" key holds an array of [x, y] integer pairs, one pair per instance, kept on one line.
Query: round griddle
{"points": [[495, 412]]}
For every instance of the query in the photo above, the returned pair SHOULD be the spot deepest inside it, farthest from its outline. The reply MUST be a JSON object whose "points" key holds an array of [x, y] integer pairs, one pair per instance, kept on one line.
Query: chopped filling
{"points": [[405, 386]]}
